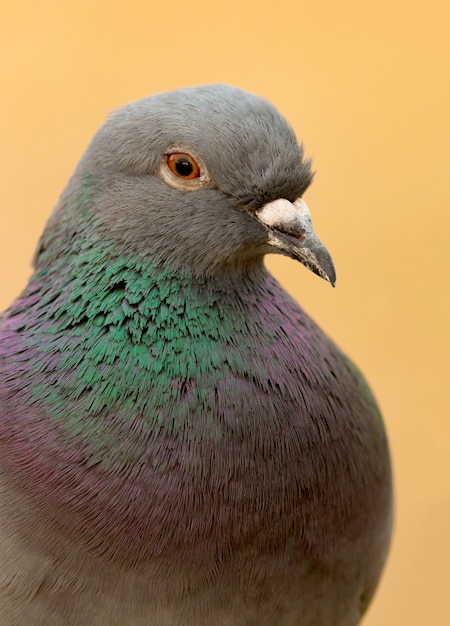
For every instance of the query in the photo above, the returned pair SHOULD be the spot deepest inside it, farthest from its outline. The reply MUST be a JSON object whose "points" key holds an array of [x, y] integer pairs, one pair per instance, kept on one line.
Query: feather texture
{"points": [[179, 447]]}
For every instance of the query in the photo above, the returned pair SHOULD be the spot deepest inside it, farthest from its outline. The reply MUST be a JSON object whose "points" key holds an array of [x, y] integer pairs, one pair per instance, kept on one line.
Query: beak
{"points": [[289, 229]]}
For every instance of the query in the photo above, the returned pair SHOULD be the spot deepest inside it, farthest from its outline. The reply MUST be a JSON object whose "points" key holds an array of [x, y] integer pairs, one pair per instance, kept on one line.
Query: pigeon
{"points": [[180, 443]]}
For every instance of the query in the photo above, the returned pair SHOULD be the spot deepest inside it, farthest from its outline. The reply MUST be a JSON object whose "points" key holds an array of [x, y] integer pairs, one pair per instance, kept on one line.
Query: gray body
{"points": [[273, 503]]}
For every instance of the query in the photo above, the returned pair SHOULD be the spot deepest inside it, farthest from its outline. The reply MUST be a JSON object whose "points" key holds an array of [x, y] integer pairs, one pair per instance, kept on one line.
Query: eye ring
{"points": [[183, 169], [183, 165]]}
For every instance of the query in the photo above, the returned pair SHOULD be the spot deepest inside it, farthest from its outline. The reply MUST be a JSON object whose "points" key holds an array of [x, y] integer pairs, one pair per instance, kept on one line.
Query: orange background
{"points": [[366, 85]]}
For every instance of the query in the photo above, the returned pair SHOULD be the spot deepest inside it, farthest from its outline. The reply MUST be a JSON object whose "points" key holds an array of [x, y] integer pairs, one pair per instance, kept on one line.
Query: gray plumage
{"points": [[180, 444]]}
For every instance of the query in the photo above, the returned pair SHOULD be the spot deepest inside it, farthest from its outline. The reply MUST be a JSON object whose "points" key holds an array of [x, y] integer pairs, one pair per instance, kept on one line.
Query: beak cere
{"points": [[289, 229]]}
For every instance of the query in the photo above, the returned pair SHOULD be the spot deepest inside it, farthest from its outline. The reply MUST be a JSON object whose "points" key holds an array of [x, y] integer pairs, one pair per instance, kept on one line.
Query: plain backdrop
{"points": [[366, 87]]}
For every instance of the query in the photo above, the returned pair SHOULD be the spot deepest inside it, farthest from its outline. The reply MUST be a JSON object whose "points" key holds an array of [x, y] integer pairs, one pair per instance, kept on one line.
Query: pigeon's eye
{"points": [[182, 169], [183, 165]]}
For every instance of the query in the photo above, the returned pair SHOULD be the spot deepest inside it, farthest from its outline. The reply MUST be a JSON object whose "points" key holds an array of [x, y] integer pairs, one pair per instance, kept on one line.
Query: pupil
{"points": [[183, 166]]}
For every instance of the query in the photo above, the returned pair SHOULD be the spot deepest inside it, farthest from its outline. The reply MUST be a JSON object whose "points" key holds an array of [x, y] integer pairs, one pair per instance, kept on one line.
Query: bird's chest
{"points": [[237, 447], [190, 432]]}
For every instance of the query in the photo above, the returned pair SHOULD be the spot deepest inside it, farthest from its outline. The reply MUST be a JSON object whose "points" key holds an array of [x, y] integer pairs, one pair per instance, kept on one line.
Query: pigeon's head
{"points": [[210, 177]]}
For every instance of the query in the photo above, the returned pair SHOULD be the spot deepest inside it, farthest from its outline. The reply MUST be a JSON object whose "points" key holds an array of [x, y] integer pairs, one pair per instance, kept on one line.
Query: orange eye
{"points": [[183, 165]]}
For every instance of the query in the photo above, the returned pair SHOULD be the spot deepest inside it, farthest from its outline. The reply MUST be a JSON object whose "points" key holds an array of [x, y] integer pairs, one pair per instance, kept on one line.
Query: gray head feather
{"points": [[251, 156]]}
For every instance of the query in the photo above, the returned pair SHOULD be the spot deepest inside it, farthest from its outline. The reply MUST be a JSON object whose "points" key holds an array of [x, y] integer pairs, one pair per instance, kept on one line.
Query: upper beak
{"points": [[290, 230]]}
